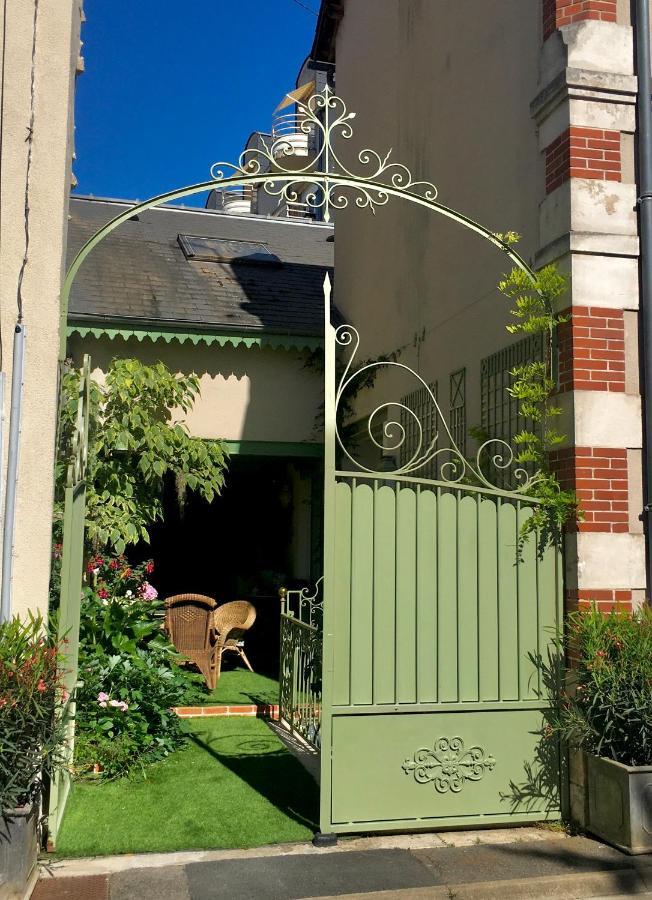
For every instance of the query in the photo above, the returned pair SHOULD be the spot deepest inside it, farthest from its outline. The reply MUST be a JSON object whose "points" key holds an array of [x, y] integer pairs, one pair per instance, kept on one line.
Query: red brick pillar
{"points": [[557, 13]]}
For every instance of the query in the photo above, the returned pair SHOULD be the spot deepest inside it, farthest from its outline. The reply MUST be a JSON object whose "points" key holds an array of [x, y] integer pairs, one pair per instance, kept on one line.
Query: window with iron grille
{"points": [[500, 418], [457, 409], [421, 405]]}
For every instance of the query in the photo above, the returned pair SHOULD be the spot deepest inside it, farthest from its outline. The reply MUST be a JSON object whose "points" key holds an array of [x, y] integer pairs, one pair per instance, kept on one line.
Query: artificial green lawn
{"points": [[235, 785], [240, 686]]}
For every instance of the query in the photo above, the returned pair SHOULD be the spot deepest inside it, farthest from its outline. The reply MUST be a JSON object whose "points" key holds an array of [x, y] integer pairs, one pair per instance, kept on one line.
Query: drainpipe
{"points": [[644, 203], [12, 471]]}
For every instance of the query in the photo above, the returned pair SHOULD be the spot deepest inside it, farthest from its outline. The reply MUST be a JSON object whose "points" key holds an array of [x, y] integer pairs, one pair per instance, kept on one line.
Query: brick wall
{"points": [[583, 153], [605, 600], [557, 13], [599, 477], [592, 350]]}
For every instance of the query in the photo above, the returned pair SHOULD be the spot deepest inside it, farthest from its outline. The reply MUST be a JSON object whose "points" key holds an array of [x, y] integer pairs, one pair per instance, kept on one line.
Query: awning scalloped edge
{"points": [[273, 341]]}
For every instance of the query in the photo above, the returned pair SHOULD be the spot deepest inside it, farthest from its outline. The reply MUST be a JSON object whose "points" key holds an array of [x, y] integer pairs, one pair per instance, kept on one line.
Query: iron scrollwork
{"points": [[321, 119], [449, 765], [456, 467]]}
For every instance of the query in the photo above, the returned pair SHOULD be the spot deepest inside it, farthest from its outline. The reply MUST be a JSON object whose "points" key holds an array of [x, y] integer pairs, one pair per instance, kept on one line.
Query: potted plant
{"points": [[606, 711], [31, 741]]}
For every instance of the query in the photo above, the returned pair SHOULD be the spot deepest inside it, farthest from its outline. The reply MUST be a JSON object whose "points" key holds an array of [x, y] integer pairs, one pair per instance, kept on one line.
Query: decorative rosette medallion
{"points": [[449, 765]]}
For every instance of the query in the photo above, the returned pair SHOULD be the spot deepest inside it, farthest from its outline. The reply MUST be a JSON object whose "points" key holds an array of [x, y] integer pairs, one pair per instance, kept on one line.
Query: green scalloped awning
{"points": [[233, 339]]}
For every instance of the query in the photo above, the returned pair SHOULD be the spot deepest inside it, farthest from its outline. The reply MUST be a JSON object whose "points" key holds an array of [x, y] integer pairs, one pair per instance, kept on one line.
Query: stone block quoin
{"points": [[583, 153], [598, 475], [591, 345], [557, 13]]}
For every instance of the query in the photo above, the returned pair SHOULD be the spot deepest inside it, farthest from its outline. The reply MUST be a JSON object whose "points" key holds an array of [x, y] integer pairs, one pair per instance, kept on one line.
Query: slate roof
{"points": [[139, 273]]}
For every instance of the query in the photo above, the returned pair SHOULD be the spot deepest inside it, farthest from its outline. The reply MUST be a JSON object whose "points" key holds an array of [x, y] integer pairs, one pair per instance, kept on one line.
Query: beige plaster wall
{"points": [[246, 394], [409, 279], [55, 61]]}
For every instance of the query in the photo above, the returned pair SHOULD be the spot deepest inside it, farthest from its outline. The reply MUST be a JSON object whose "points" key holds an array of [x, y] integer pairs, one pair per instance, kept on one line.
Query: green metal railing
{"points": [[301, 663]]}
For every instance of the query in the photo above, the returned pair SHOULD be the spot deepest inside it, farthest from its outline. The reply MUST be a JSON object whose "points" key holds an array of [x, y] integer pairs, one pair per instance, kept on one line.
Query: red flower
{"points": [[114, 564], [103, 594], [41, 686], [126, 572], [149, 568]]}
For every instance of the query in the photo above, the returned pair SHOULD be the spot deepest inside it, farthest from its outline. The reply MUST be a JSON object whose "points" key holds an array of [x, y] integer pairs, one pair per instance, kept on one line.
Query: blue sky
{"points": [[170, 88]]}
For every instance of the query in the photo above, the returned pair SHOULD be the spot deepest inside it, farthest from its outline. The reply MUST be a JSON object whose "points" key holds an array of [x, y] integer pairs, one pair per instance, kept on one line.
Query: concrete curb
{"points": [[107, 865]]}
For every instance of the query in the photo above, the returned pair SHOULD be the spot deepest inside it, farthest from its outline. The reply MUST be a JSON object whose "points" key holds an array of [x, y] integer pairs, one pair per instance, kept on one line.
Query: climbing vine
{"points": [[534, 303]]}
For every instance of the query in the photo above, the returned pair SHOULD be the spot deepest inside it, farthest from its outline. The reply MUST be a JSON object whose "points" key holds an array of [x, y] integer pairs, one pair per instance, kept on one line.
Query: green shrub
{"points": [[607, 707], [31, 734], [130, 673], [121, 611], [124, 710]]}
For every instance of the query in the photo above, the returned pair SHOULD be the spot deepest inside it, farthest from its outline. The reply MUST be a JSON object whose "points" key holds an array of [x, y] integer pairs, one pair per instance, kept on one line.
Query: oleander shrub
{"points": [[606, 706], [32, 733]]}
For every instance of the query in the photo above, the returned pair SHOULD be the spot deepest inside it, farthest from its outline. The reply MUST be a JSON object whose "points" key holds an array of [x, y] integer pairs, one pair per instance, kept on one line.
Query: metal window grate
{"points": [[421, 405], [500, 418], [457, 409]]}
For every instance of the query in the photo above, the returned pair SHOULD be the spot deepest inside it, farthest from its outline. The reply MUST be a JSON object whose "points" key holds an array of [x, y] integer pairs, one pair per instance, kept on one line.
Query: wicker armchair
{"points": [[189, 623], [231, 621]]}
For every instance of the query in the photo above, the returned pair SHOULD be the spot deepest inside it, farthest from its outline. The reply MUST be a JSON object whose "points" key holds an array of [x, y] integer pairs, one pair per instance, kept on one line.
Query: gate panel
{"points": [[434, 769], [437, 712]]}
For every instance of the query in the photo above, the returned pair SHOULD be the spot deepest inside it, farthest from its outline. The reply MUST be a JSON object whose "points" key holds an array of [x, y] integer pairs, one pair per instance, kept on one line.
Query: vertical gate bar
{"points": [[406, 511], [426, 597], [527, 609], [488, 593], [340, 595], [468, 599], [384, 576], [361, 594], [507, 602], [447, 574], [325, 803]]}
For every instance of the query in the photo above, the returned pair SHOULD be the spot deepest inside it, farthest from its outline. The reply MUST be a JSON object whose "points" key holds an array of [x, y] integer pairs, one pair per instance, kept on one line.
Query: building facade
{"points": [[40, 50], [523, 114]]}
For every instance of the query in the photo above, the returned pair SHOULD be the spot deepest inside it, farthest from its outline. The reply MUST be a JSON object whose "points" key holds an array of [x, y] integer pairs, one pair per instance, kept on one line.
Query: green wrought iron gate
{"points": [[72, 559], [440, 628]]}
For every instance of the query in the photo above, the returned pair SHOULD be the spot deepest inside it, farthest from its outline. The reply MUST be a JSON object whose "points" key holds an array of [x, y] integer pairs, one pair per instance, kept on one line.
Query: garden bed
{"points": [[234, 786]]}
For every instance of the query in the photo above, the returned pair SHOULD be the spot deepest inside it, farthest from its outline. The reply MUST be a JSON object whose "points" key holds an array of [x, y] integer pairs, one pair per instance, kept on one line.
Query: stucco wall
{"points": [[55, 62], [246, 394], [425, 63]]}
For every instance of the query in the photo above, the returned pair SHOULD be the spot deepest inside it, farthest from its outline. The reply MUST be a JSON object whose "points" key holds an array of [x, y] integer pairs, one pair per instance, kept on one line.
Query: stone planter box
{"points": [[620, 804], [18, 852]]}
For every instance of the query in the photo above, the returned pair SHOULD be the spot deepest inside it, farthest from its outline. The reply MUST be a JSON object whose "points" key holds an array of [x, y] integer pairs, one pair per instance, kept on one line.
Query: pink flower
{"points": [[147, 591], [41, 686], [102, 698], [119, 704]]}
